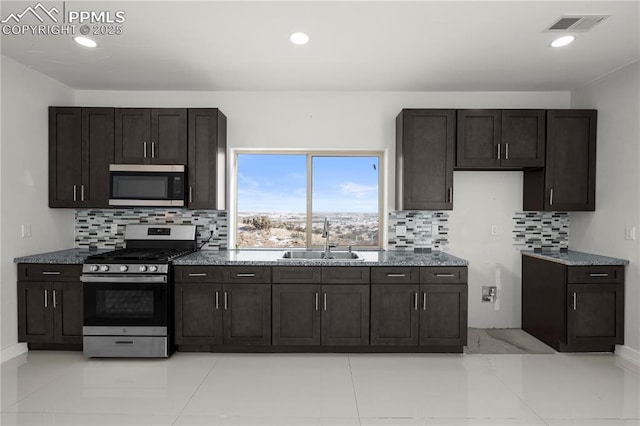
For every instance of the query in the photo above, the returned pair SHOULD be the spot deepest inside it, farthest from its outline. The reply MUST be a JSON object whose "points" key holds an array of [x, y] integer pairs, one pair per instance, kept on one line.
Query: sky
{"points": [[277, 183]]}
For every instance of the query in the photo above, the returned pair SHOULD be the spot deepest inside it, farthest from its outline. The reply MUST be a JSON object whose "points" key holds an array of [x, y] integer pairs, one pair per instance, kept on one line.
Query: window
{"points": [[283, 199]]}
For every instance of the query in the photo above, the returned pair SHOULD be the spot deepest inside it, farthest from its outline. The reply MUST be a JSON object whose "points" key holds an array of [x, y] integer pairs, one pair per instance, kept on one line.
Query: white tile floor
{"points": [[64, 388]]}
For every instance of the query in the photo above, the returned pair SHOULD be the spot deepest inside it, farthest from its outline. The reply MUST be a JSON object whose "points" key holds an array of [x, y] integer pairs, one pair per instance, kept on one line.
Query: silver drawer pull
{"points": [[124, 342], [444, 275], [248, 275], [51, 272], [595, 275], [396, 275], [199, 274]]}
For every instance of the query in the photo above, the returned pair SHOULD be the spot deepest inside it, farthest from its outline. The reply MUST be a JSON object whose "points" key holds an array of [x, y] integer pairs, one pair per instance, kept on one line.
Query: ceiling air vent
{"points": [[577, 22]]}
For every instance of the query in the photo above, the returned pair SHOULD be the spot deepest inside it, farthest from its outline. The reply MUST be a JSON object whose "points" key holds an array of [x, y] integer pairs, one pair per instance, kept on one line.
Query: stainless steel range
{"points": [[128, 293]]}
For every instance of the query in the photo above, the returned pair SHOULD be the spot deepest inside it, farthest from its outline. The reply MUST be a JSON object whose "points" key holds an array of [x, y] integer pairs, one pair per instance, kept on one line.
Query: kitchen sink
{"points": [[334, 256]]}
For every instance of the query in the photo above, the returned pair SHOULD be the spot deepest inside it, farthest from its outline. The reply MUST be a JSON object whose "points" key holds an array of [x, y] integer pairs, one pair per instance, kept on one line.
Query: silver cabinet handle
{"points": [[396, 275], [51, 272], [424, 301], [191, 194], [551, 197], [598, 275], [574, 305], [81, 192], [124, 342], [451, 195], [247, 275], [144, 147], [46, 298], [324, 301], [217, 300], [55, 304], [499, 152], [506, 151], [444, 275], [198, 274], [415, 301], [317, 307], [226, 300], [75, 192], [153, 150]]}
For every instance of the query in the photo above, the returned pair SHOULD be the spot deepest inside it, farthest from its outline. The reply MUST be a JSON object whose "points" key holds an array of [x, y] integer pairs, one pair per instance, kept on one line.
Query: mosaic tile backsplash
{"points": [[93, 228], [541, 231], [419, 227]]}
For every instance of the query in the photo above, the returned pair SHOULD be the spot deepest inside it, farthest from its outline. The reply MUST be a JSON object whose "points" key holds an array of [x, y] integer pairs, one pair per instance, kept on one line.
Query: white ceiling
{"points": [[358, 45]]}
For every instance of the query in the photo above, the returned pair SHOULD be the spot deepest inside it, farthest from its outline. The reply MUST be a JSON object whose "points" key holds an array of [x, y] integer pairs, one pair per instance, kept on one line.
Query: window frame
{"points": [[233, 215]]}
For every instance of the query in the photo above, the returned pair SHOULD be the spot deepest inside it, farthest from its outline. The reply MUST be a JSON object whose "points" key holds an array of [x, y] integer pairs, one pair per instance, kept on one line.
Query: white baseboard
{"points": [[629, 355], [13, 351]]}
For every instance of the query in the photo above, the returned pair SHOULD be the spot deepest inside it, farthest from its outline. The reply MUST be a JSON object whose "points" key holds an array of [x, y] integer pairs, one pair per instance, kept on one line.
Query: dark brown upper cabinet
{"points": [[425, 149], [207, 147], [81, 147], [151, 136], [568, 181], [495, 139]]}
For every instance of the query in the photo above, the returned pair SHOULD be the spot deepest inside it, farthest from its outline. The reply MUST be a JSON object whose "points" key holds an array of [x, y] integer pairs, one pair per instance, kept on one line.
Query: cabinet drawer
{"points": [[198, 274], [48, 272], [297, 275], [443, 275], [595, 274], [246, 274], [346, 275], [395, 275]]}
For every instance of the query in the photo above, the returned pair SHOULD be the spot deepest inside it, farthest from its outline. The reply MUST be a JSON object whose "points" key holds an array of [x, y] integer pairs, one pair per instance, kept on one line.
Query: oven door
{"points": [[133, 301]]}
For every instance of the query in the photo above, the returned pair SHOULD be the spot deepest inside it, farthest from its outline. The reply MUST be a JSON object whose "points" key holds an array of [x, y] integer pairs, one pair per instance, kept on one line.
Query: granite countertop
{"points": [[576, 258], [265, 258]]}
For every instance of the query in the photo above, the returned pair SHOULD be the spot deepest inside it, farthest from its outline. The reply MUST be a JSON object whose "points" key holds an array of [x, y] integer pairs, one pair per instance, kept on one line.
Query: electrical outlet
{"points": [[494, 229], [630, 233], [26, 230], [212, 228], [401, 231]]}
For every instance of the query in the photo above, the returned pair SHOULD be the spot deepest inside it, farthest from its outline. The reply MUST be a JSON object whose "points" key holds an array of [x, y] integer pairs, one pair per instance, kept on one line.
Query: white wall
{"points": [[617, 99], [365, 120], [26, 95]]}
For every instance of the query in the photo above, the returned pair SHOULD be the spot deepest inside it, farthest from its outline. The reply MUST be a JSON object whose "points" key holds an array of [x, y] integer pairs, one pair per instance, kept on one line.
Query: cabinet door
{"points": [[296, 314], [345, 315], [247, 314], [443, 315], [570, 173], [394, 314], [207, 149], [67, 304], [479, 137], [65, 156], [35, 317], [425, 144], [523, 138], [595, 314], [132, 135], [97, 154], [198, 313], [168, 136]]}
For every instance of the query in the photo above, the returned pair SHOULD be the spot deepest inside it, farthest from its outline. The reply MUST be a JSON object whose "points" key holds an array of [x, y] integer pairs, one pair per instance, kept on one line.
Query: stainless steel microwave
{"points": [[151, 185]]}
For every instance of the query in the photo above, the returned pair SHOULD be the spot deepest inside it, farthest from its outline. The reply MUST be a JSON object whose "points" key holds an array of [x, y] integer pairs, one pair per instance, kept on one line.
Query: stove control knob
{"points": [[123, 268], [94, 268], [104, 268], [153, 268], [142, 268]]}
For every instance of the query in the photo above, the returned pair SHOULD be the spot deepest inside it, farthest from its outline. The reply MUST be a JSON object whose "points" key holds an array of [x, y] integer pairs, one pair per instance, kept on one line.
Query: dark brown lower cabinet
{"points": [[247, 314], [573, 308], [50, 312], [296, 314], [198, 317], [443, 318], [345, 315], [394, 315]]}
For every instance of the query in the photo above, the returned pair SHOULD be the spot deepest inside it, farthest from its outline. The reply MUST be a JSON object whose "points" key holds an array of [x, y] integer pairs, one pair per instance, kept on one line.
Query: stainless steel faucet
{"points": [[325, 234]]}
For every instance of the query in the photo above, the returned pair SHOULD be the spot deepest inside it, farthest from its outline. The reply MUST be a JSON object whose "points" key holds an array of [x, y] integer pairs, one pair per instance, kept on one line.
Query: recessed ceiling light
{"points": [[562, 41], [85, 41], [299, 38]]}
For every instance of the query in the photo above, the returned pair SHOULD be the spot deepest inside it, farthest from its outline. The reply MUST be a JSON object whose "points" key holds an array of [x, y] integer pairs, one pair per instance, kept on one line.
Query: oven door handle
{"points": [[121, 279]]}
